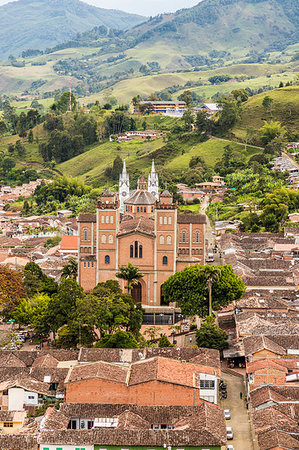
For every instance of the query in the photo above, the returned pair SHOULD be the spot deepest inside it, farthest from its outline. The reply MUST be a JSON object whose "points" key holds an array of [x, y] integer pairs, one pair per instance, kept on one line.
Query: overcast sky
{"points": [[143, 7]]}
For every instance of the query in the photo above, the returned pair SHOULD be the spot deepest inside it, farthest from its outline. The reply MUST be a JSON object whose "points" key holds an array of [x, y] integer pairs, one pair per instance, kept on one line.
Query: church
{"points": [[140, 226]]}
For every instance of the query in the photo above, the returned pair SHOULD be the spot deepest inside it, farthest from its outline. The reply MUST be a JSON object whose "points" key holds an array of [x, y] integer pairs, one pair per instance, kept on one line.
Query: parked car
{"points": [[229, 433], [230, 447], [227, 414]]}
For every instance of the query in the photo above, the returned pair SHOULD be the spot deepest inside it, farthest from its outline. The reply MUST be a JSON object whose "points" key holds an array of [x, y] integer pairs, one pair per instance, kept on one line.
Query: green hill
{"points": [[39, 24], [285, 109]]}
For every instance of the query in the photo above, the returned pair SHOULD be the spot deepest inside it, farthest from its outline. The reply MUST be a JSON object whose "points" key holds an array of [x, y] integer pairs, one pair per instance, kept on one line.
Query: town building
{"points": [[153, 381], [142, 227], [167, 108]]}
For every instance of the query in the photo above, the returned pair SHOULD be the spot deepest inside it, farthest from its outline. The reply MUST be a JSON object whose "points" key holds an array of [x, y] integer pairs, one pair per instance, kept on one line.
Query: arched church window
{"points": [[103, 219], [165, 260], [85, 235], [168, 240], [140, 251], [104, 238], [107, 219], [131, 251], [169, 220], [107, 259], [161, 220], [110, 239], [184, 236], [162, 240], [165, 220], [111, 219], [197, 236], [136, 249]]}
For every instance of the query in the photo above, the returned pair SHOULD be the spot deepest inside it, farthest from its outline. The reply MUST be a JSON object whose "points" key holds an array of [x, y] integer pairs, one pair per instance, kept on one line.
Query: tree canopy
{"points": [[189, 289]]}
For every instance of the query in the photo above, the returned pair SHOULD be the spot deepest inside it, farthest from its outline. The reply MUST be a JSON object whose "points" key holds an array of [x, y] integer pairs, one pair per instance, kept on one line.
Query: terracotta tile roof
{"points": [[45, 361], [254, 344], [276, 439], [140, 224], [141, 198], [166, 370], [69, 243], [54, 420], [166, 193], [107, 193], [272, 418], [192, 218], [11, 360], [265, 394], [106, 371], [252, 301], [265, 364], [18, 442], [202, 356], [86, 217]]}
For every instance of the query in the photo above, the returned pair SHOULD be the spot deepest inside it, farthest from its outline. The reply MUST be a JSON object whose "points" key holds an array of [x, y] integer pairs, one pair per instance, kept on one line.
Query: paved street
{"points": [[240, 418]]}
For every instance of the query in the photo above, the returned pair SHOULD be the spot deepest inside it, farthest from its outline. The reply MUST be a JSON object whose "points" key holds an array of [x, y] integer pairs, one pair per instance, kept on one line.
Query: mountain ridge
{"points": [[39, 24]]}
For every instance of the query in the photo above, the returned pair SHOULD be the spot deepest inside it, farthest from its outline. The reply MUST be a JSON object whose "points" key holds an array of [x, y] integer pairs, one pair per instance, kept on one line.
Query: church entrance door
{"points": [[137, 293]]}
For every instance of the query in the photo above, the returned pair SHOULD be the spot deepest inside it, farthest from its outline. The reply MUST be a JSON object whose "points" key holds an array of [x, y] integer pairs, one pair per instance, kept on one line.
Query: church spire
{"points": [[124, 187], [153, 182]]}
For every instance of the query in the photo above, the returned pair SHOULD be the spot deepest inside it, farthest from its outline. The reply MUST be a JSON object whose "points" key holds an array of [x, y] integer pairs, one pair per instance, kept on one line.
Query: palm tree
{"points": [[212, 274], [131, 274], [70, 270]]}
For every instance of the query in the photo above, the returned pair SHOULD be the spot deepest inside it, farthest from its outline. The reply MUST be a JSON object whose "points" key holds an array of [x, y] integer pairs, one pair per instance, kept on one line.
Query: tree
{"points": [[241, 95], [188, 119], [271, 130], [164, 342], [210, 335], [30, 136], [116, 168], [186, 97], [250, 132], [34, 312], [268, 103], [11, 290], [202, 122], [131, 274], [63, 104], [212, 275], [70, 270], [229, 114], [3, 127], [188, 289], [8, 164], [120, 339]]}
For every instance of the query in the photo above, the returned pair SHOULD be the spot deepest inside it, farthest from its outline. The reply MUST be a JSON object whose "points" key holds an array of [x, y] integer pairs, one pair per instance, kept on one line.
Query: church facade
{"points": [[142, 227]]}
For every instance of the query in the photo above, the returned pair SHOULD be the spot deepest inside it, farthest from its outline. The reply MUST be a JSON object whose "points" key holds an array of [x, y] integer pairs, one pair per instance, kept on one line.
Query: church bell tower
{"points": [[124, 187], [153, 182]]}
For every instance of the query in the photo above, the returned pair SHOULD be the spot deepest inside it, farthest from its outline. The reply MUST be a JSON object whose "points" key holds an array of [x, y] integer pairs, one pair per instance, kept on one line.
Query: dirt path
{"points": [[240, 417], [234, 142]]}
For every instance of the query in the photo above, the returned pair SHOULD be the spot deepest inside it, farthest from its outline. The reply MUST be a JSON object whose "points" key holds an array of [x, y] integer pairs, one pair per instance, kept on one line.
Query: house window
{"points": [[8, 424], [137, 208], [144, 209], [85, 235], [140, 251], [197, 236], [168, 240], [107, 259], [88, 264], [152, 209], [184, 236], [31, 397], [92, 264], [110, 239], [131, 251], [165, 260], [141, 209], [162, 240], [104, 239], [207, 384], [169, 220], [136, 249], [85, 265]]}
